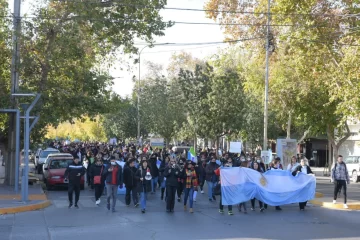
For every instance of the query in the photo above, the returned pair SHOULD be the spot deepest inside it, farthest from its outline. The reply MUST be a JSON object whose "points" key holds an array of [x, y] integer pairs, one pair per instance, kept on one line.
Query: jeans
{"points": [[211, 186], [154, 182], [99, 188], [170, 197], [338, 185], [163, 183], [189, 193], [143, 200], [222, 206], [134, 195], [74, 188], [111, 193]]}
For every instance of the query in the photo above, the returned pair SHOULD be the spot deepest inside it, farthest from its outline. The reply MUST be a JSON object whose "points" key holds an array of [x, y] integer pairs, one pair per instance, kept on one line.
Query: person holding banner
{"points": [[217, 172], [302, 168]]}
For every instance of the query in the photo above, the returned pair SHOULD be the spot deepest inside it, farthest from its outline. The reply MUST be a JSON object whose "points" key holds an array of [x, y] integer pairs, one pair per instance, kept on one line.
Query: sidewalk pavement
{"points": [[325, 191], [10, 202]]}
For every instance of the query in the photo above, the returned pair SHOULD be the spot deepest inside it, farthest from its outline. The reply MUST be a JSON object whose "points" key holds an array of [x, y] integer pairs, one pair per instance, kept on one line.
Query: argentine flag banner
{"points": [[191, 155], [275, 187]]}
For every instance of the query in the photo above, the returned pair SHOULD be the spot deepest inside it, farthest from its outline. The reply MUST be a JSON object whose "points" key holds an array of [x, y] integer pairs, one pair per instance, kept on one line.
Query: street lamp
{"points": [[138, 95]]}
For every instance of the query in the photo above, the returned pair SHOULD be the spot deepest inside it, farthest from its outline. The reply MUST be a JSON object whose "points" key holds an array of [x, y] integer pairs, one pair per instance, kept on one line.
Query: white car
{"points": [[353, 166], [41, 157]]}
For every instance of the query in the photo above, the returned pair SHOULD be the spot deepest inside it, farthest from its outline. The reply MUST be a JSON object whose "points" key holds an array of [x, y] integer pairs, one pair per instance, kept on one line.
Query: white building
{"points": [[352, 145]]}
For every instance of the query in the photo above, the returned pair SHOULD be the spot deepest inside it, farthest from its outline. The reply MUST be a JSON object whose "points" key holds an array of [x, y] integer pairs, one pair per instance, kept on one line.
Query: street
{"points": [[95, 222]]}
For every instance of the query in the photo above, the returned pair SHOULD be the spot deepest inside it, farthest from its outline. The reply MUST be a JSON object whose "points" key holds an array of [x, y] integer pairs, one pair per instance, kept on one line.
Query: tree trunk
{"points": [[336, 146], [195, 143], [304, 136], [288, 128]]}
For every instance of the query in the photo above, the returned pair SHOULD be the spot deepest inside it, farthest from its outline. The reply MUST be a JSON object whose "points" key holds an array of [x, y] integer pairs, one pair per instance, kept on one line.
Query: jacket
{"points": [[172, 175], [298, 169], [210, 168], [340, 172], [129, 176], [161, 170], [74, 172], [144, 185], [109, 175], [96, 170], [200, 170], [153, 168]]}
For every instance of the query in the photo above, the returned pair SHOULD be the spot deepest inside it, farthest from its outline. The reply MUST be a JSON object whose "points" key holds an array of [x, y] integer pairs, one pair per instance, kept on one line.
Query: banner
{"points": [[157, 142], [285, 149], [240, 184], [235, 147], [191, 155], [266, 156]]}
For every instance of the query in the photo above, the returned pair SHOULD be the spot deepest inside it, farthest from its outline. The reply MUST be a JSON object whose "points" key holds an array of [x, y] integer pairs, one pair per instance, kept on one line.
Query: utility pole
{"points": [[138, 97], [10, 161], [265, 144]]}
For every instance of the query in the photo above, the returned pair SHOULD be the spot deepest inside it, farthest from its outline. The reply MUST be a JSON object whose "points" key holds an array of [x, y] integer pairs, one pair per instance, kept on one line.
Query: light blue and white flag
{"points": [[275, 187]]}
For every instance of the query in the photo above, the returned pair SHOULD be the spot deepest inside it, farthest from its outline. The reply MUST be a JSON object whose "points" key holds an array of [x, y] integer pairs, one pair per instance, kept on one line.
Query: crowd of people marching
{"points": [[143, 170]]}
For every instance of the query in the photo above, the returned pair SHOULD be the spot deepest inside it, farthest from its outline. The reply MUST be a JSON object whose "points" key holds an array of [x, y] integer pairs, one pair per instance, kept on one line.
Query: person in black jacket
{"points": [[97, 169], [143, 184], [130, 182], [172, 173], [154, 172], [162, 178], [304, 168], [74, 172]]}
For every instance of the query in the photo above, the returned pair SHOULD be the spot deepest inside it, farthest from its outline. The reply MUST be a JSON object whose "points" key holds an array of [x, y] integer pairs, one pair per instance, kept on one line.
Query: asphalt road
{"points": [[94, 222]]}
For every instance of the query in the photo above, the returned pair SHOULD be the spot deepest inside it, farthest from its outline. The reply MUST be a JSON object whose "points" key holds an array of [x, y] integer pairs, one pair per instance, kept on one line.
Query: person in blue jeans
{"points": [[211, 178], [143, 182], [191, 183]]}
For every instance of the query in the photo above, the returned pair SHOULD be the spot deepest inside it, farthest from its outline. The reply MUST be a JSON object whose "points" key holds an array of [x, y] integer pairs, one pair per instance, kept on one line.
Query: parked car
{"points": [[41, 156], [54, 170], [353, 166]]}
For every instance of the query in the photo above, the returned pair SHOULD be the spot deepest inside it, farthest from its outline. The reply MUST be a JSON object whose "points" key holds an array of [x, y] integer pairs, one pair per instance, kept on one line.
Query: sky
{"points": [[179, 33]]}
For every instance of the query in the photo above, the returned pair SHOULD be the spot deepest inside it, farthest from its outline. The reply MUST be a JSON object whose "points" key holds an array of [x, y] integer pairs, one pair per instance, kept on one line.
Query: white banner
{"points": [[235, 147]]}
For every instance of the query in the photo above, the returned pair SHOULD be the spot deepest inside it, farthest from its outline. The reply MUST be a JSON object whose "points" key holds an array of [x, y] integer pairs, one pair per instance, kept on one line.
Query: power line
{"points": [[208, 10], [201, 43], [170, 22]]}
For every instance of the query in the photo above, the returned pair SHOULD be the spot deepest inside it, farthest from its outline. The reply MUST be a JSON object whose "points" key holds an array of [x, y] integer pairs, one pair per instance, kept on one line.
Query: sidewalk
{"points": [[10, 202], [327, 189]]}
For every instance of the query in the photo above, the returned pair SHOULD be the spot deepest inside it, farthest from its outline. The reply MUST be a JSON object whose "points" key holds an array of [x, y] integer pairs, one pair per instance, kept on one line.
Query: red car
{"points": [[54, 170]]}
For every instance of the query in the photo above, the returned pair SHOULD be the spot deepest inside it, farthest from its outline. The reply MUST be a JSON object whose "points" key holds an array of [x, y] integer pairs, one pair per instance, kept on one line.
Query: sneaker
{"points": [[185, 208], [137, 204], [278, 208], [179, 200], [252, 209], [334, 201], [113, 210], [191, 210], [262, 209], [221, 211], [214, 198], [108, 206], [97, 202], [210, 200], [70, 205], [346, 206], [230, 213], [202, 192], [143, 210], [245, 212], [76, 206]]}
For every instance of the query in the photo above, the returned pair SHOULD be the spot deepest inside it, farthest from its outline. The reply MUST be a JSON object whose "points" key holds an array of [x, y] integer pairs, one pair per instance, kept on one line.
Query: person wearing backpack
{"points": [[340, 177]]}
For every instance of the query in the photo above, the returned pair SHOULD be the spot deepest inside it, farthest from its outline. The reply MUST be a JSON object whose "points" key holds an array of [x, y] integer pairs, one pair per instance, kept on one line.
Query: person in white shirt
{"points": [[291, 167]]}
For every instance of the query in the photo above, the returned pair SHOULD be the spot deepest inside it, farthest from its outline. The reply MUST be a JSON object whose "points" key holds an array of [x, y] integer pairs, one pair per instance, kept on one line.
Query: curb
{"points": [[352, 206], [30, 207], [330, 205]]}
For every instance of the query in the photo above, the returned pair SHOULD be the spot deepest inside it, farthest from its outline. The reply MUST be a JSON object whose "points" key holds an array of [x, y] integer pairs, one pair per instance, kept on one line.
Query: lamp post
{"points": [[139, 90], [138, 97]]}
